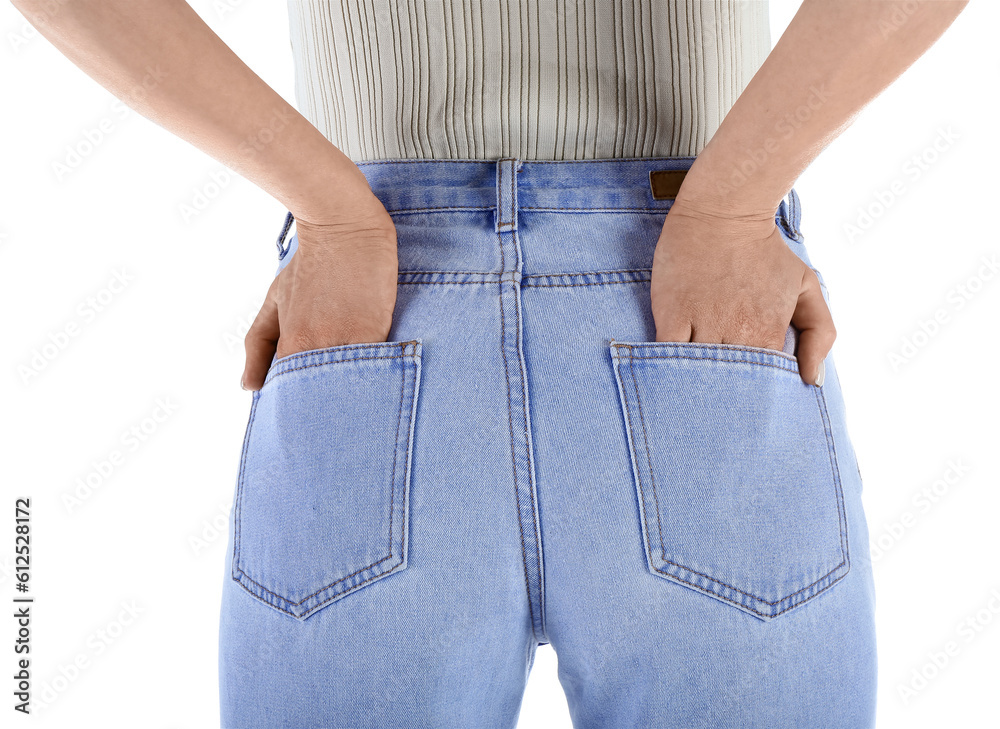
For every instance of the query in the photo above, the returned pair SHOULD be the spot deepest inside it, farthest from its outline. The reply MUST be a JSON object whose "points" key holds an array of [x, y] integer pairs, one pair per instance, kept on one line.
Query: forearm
{"points": [[164, 61], [834, 58]]}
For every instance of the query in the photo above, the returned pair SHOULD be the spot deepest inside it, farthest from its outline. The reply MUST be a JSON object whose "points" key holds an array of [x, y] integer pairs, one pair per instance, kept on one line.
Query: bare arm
{"points": [[164, 61], [832, 60]]}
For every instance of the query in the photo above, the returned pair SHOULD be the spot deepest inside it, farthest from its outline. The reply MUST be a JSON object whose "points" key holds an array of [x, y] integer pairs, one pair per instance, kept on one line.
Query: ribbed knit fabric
{"points": [[532, 79]]}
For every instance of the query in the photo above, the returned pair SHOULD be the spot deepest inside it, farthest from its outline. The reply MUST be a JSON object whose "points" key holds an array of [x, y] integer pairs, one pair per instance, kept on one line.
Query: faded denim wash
{"points": [[522, 464]]}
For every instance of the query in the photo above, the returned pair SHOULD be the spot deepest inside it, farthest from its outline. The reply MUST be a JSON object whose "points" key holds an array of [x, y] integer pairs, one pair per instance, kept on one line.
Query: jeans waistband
{"points": [[613, 184]]}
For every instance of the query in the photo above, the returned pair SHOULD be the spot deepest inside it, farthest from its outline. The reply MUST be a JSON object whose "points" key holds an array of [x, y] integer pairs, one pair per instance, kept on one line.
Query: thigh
{"points": [[706, 548]]}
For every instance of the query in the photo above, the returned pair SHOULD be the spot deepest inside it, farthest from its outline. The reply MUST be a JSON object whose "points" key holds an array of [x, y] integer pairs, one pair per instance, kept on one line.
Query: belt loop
{"points": [[282, 250], [793, 214], [506, 211]]}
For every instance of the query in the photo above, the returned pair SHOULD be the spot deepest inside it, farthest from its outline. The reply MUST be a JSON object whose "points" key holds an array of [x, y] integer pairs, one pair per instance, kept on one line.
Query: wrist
{"points": [[339, 206], [334, 194], [734, 185], [717, 211], [321, 185]]}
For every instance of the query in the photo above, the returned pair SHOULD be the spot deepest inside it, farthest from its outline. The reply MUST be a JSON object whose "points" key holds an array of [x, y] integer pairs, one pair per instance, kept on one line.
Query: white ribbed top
{"points": [[535, 79]]}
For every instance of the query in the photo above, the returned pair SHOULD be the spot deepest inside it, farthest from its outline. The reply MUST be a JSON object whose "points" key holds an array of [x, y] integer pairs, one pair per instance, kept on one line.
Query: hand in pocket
{"points": [[338, 288], [722, 280]]}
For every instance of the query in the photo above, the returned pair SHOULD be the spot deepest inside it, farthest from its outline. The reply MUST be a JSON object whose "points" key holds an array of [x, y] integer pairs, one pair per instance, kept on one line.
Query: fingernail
{"points": [[242, 384], [822, 374]]}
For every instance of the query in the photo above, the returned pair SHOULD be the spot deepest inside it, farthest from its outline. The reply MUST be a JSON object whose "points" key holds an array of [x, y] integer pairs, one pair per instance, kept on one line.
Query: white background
{"points": [[174, 333]]}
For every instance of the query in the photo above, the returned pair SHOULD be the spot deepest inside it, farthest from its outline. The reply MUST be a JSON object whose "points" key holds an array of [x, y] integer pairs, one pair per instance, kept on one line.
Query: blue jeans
{"points": [[523, 464]]}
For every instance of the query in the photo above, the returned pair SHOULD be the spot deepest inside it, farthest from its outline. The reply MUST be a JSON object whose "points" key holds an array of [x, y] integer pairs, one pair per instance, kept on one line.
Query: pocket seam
{"points": [[714, 359], [238, 572], [831, 452], [273, 371], [761, 351], [335, 362]]}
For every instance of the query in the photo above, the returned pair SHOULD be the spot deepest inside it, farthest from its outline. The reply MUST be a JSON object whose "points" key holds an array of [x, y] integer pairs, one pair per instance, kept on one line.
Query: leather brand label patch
{"points": [[664, 184]]}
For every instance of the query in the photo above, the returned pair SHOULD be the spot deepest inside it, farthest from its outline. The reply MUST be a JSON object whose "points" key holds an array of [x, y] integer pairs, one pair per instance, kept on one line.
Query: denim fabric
{"points": [[523, 464]]}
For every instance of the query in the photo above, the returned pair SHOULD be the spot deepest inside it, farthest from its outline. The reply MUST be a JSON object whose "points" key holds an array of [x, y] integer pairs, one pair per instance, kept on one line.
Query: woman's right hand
{"points": [[338, 288]]}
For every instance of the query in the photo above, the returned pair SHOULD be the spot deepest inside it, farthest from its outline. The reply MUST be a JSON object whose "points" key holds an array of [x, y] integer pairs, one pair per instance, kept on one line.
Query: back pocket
{"points": [[321, 501], [736, 472]]}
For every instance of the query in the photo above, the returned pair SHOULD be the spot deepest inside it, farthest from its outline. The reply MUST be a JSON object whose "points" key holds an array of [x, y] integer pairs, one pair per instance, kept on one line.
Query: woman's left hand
{"points": [[731, 280]]}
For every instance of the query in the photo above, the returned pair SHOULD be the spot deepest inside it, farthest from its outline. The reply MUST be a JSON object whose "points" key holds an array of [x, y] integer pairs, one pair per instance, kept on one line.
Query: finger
{"points": [[748, 330], [816, 330], [261, 343], [758, 335], [707, 333], [673, 328]]}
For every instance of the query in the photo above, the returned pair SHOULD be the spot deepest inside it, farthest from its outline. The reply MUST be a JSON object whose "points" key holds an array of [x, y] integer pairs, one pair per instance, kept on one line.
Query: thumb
{"points": [[816, 330], [261, 342]]}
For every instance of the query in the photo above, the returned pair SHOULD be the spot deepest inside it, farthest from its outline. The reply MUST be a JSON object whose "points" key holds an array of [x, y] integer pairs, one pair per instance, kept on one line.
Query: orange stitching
{"points": [[716, 359], [322, 589], [457, 208], [591, 273], [735, 347], [747, 607], [341, 347], [845, 546], [395, 454], [442, 283], [316, 607], [239, 482], [527, 445], [656, 499], [592, 283], [276, 373]]}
